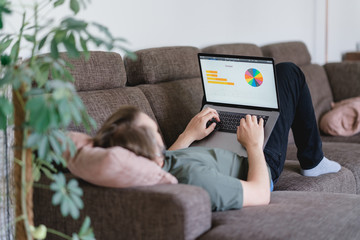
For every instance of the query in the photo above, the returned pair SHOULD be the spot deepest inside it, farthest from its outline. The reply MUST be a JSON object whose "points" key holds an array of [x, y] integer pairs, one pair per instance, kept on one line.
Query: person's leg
{"points": [[290, 84], [296, 112]]}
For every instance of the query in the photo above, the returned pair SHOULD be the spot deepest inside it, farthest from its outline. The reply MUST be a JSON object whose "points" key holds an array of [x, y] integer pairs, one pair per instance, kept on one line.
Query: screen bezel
{"points": [[239, 57]]}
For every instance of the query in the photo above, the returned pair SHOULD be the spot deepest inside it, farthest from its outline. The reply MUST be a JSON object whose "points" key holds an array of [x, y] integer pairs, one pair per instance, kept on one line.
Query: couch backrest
{"points": [[155, 65], [100, 83], [315, 74], [169, 77], [245, 49], [103, 70]]}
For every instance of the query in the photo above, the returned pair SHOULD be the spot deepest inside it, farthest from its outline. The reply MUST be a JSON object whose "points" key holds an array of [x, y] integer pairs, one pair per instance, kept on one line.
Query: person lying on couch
{"points": [[232, 181]]}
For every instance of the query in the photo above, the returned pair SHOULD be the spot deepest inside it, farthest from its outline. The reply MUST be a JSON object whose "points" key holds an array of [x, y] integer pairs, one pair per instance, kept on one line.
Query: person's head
{"points": [[132, 129]]}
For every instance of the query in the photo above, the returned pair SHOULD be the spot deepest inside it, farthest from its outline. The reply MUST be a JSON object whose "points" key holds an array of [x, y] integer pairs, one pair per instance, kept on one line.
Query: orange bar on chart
{"points": [[211, 75], [217, 79], [208, 71], [226, 83]]}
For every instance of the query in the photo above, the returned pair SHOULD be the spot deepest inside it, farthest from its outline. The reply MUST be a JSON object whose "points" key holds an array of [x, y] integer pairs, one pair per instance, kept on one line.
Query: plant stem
{"points": [[18, 95], [60, 234]]}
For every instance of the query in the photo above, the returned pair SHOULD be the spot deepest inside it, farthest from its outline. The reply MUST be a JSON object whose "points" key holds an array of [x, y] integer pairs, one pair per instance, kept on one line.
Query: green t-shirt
{"points": [[216, 170]]}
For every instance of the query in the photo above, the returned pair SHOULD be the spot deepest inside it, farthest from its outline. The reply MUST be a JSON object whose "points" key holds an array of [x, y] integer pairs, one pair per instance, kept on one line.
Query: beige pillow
{"points": [[113, 167], [343, 119]]}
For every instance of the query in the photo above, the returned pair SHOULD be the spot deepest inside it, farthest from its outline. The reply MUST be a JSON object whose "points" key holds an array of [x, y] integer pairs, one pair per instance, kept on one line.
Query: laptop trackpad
{"points": [[222, 140]]}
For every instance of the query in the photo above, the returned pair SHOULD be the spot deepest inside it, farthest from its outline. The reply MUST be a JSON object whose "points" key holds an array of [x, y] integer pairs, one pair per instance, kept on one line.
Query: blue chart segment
{"points": [[254, 77]]}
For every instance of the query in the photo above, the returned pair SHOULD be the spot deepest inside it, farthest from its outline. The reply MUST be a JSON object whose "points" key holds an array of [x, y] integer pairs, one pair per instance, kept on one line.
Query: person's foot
{"points": [[325, 166]]}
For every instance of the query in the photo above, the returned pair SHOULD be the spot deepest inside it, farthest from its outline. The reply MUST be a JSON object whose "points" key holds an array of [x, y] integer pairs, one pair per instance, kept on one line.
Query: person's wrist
{"points": [[186, 139], [254, 147]]}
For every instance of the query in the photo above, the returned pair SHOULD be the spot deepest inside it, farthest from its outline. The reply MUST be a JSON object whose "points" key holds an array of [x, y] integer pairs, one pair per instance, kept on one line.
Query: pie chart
{"points": [[254, 77]]}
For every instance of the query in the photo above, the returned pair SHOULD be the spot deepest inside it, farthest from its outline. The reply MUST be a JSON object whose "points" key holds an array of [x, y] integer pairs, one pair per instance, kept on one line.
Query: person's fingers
{"points": [[205, 111], [261, 122], [210, 129], [209, 116], [254, 119]]}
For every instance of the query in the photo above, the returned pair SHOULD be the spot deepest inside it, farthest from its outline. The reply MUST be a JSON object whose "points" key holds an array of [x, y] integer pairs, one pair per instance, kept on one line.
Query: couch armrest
{"points": [[344, 79], [151, 212]]}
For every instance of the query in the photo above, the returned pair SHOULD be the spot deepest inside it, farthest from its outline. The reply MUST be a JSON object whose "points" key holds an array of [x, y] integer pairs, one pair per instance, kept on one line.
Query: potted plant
{"points": [[41, 108]]}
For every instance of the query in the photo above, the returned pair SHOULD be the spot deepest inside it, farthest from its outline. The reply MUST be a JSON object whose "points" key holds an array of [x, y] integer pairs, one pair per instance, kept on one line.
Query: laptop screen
{"points": [[239, 80]]}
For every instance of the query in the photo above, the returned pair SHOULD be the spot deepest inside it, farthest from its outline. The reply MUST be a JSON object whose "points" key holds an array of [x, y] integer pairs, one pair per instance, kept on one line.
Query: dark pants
{"points": [[297, 113]]}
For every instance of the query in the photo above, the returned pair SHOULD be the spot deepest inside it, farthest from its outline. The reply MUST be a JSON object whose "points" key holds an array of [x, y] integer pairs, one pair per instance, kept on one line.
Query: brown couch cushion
{"points": [[291, 180], [174, 104], [344, 79], [347, 154], [319, 88], [245, 49], [103, 70], [102, 103], [295, 52], [292, 215], [164, 64]]}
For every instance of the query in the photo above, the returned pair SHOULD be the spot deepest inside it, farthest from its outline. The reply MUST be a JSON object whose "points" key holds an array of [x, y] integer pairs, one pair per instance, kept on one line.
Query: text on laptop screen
{"points": [[248, 82]]}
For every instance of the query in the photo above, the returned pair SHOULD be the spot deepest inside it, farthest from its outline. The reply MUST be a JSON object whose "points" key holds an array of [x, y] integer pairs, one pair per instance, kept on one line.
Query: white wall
{"points": [[156, 23]]}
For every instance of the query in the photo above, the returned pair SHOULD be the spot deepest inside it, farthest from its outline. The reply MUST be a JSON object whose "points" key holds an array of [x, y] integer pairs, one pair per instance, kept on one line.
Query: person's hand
{"points": [[250, 133], [196, 128]]}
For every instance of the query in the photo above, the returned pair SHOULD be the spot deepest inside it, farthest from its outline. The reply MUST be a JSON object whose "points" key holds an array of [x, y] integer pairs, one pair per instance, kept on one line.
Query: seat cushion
{"points": [[245, 49], [352, 139], [291, 180], [291, 215], [347, 154]]}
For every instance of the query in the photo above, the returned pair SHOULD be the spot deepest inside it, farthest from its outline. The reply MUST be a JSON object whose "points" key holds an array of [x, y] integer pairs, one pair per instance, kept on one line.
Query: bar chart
{"points": [[212, 77]]}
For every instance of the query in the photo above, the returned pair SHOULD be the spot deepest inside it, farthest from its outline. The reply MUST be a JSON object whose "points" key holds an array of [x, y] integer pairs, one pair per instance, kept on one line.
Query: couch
{"points": [[165, 83]]}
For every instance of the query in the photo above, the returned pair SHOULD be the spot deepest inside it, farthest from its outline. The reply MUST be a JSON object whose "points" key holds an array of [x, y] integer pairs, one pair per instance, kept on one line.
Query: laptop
{"points": [[236, 86]]}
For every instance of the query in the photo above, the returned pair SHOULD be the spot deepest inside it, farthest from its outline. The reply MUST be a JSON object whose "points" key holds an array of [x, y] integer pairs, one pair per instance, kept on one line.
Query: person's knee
{"points": [[289, 72], [286, 67]]}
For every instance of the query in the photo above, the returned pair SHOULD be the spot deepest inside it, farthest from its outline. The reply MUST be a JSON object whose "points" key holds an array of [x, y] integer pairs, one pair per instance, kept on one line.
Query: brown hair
{"points": [[121, 129]]}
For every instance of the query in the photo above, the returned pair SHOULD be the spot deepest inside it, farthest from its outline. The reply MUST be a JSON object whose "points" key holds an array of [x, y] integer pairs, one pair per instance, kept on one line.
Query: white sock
{"points": [[325, 166]]}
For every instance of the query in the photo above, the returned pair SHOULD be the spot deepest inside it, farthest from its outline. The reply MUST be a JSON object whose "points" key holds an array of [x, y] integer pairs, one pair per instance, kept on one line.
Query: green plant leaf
{"points": [[6, 110], [74, 6], [14, 51], [42, 42], [33, 140], [55, 145], [4, 9], [70, 46], [5, 60], [29, 38], [59, 3], [86, 232], [67, 196], [84, 47], [57, 198], [74, 24], [44, 147], [54, 49], [4, 44]]}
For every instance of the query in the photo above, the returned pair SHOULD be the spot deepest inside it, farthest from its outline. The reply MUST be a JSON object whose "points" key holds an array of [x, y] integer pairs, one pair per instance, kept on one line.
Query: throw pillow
{"points": [[113, 167], [343, 119]]}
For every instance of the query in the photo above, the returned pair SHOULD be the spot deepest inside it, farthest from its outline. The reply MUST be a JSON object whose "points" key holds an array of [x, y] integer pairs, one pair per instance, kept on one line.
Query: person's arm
{"points": [[256, 190], [196, 129]]}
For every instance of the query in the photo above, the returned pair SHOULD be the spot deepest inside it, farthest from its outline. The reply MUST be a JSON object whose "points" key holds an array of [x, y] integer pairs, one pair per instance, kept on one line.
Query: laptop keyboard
{"points": [[229, 121]]}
